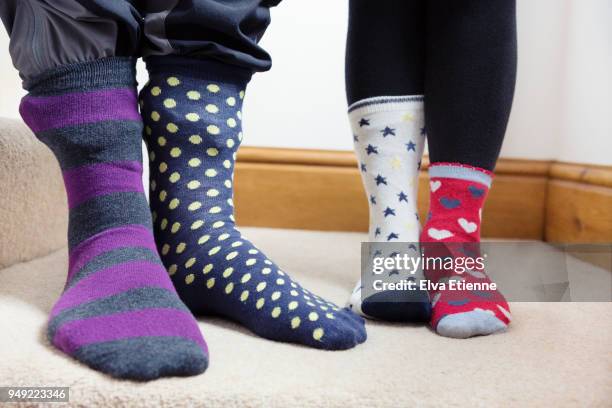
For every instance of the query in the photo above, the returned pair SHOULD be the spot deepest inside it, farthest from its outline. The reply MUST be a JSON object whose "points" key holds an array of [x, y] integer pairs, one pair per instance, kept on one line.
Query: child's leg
{"points": [[385, 60], [119, 312], [192, 108], [471, 67]]}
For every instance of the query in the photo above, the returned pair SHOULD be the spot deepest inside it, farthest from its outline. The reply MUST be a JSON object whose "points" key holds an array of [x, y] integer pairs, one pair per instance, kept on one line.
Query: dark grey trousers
{"points": [[46, 34]]}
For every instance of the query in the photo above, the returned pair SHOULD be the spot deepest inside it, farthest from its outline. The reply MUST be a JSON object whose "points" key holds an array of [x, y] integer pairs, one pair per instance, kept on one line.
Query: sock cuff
{"points": [[462, 172], [385, 104], [199, 68], [104, 73]]}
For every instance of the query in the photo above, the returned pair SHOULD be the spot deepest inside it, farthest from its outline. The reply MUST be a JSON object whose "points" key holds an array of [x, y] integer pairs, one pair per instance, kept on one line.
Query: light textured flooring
{"points": [[554, 354]]}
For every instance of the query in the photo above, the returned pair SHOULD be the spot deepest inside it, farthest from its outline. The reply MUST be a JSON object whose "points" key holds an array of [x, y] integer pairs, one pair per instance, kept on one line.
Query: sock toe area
{"points": [[394, 306], [357, 323], [145, 358], [342, 336], [342, 332], [469, 324], [354, 316]]}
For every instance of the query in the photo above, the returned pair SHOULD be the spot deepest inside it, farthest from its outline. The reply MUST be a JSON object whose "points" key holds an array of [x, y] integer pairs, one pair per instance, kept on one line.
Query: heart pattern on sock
{"points": [[435, 185], [467, 226], [475, 191], [450, 203], [458, 194], [439, 234]]}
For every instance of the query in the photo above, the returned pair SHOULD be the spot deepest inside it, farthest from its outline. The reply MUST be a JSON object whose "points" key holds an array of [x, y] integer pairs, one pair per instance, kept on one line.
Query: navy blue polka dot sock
{"points": [[192, 115]]}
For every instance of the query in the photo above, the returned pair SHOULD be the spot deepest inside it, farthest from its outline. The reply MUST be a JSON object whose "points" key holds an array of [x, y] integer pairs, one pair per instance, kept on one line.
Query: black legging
{"points": [[461, 54]]}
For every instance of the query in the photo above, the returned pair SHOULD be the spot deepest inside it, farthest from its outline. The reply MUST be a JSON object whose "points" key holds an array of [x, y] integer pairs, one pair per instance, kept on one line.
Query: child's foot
{"points": [[391, 305], [193, 130], [389, 136], [119, 312], [458, 193]]}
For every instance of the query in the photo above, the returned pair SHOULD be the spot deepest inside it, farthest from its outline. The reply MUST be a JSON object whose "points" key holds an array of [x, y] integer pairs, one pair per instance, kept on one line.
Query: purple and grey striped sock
{"points": [[119, 312]]}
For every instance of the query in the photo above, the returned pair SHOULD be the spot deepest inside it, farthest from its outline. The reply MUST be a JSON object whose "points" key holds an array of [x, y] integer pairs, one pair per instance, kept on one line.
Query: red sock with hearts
{"points": [[458, 193]]}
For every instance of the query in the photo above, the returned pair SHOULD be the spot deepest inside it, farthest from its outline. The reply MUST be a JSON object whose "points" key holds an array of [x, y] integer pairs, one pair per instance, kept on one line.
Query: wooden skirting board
{"points": [[322, 190], [579, 204]]}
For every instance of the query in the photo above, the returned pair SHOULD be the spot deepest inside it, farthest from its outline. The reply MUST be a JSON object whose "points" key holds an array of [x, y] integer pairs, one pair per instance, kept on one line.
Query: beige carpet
{"points": [[554, 354]]}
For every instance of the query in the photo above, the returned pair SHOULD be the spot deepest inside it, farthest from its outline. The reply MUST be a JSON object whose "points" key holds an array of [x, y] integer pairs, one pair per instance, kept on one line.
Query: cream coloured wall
{"points": [[10, 85], [561, 101], [586, 131]]}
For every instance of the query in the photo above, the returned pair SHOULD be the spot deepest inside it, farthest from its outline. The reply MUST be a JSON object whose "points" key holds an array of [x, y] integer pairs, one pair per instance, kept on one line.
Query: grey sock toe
{"points": [[145, 358], [469, 324]]}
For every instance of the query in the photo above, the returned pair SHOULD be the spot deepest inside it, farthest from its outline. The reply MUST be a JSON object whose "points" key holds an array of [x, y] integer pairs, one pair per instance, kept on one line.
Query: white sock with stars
{"points": [[389, 137]]}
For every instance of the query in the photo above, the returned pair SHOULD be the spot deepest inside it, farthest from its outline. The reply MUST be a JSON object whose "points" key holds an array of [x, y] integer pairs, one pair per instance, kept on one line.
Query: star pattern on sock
{"points": [[393, 131], [380, 180], [392, 235], [396, 163], [408, 117], [387, 131], [389, 211]]}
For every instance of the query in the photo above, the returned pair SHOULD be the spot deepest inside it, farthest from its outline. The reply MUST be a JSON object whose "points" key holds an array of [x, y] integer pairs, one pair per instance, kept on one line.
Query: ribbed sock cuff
{"points": [[462, 172], [198, 68], [384, 104], [104, 73]]}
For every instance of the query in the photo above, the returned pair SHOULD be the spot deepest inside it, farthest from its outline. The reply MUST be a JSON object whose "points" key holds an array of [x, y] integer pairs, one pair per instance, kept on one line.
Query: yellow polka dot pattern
{"points": [[193, 133]]}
